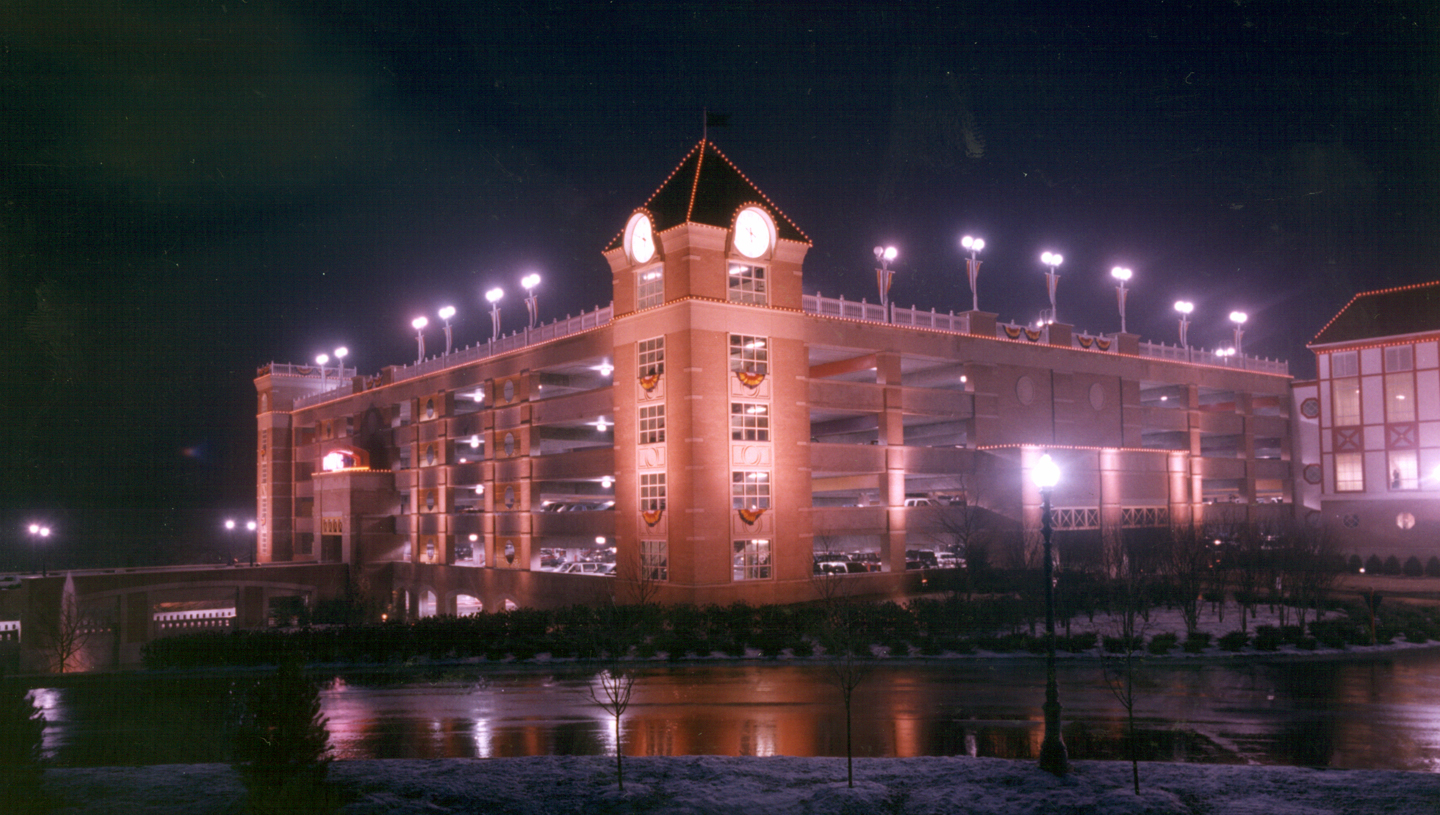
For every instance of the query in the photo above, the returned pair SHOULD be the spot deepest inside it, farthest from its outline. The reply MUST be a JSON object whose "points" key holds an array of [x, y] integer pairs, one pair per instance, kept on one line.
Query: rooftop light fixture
{"points": [[1122, 275], [1052, 280], [972, 265]]}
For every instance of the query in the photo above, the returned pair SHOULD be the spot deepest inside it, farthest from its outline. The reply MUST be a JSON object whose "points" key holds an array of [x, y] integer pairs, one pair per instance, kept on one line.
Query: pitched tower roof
{"points": [[706, 188], [1384, 313]]}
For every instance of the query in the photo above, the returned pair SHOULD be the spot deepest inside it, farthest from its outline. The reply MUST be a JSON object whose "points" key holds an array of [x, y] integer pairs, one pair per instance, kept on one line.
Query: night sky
{"points": [[194, 189]]}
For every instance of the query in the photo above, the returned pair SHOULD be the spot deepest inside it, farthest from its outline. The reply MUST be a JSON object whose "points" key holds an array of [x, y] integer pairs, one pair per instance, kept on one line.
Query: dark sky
{"points": [[193, 189]]}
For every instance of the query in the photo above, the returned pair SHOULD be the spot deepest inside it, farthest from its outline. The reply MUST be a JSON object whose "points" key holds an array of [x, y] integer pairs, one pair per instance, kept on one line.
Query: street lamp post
{"points": [[340, 354], [38, 534], [1239, 318], [1053, 757], [320, 361], [530, 281], [419, 324], [1121, 274], [972, 265], [250, 526], [493, 297], [883, 275], [445, 314], [1052, 279], [1184, 307]]}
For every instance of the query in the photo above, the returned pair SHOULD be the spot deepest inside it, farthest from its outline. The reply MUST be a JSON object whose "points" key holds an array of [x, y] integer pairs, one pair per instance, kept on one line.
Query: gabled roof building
{"points": [[715, 432], [1374, 413]]}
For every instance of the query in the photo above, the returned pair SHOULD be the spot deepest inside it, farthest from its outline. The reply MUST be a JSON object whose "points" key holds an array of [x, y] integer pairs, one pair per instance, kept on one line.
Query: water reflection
{"points": [[1381, 713]]}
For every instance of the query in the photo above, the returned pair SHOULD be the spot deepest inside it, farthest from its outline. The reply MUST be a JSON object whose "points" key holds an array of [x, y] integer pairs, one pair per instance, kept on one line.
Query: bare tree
{"points": [[1119, 672], [1317, 566], [63, 632], [1187, 562], [641, 585], [611, 691], [845, 663]]}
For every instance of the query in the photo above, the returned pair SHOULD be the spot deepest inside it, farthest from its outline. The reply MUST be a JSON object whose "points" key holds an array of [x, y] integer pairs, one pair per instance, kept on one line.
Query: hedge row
{"points": [[927, 627]]}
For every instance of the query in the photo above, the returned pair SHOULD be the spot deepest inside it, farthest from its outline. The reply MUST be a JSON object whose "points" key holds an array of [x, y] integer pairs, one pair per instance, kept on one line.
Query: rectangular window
{"points": [[654, 560], [652, 492], [1400, 397], [1349, 472], [750, 489], [652, 424], [752, 560], [749, 355], [650, 288], [747, 284], [1404, 470], [651, 356], [1400, 358], [1344, 363], [749, 421], [1345, 401]]}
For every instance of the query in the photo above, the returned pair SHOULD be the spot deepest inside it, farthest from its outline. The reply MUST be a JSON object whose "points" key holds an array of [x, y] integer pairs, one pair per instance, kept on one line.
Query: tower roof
{"points": [[706, 188], [1384, 313]]}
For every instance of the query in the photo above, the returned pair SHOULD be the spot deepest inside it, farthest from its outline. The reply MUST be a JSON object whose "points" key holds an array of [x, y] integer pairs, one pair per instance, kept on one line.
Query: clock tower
{"points": [[711, 389]]}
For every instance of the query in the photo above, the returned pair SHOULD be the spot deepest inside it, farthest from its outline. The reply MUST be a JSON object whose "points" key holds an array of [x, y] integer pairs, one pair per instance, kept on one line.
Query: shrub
{"points": [[803, 648], [1373, 565], [1355, 564], [1392, 565], [1416, 636], [22, 726], [1080, 643], [1162, 643], [1412, 567], [1234, 641], [1307, 643], [1267, 638], [282, 747]]}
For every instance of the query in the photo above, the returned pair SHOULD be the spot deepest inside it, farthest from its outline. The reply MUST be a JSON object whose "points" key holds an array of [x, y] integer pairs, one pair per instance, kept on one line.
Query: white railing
{"points": [[822, 306], [347, 387], [1200, 356], [519, 339], [289, 369]]}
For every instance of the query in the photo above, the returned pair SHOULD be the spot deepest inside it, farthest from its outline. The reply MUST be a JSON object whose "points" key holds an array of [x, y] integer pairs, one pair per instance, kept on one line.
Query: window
{"points": [[1404, 470], [650, 288], [654, 560], [1345, 399], [1349, 472], [1345, 363], [1400, 397], [749, 421], [651, 356], [1400, 358], [750, 489], [652, 492], [652, 424], [747, 284], [749, 354], [752, 560]]}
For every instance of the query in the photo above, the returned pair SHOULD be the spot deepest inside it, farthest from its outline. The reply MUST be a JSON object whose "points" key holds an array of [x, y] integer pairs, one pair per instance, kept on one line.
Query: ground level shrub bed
{"points": [[1006, 620]]}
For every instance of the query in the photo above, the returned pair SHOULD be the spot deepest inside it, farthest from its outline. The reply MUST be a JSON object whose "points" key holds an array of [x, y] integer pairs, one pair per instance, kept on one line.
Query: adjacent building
{"points": [[1373, 416], [705, 435]]}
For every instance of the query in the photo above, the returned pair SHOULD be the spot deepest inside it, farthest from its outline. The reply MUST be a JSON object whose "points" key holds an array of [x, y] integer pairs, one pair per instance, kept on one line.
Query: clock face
{"points": [[752, 233], [640, 238]]}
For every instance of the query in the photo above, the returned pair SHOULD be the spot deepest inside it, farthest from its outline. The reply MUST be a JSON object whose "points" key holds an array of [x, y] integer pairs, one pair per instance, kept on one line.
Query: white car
{"points": [[9, 581]]}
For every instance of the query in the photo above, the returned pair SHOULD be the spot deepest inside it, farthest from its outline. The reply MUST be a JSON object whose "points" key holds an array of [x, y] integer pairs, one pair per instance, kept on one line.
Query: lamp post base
{"points": [[1054, 758]]}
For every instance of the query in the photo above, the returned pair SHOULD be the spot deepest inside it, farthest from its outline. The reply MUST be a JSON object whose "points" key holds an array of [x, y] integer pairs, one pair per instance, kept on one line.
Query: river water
{"points": [[1377, 712]]}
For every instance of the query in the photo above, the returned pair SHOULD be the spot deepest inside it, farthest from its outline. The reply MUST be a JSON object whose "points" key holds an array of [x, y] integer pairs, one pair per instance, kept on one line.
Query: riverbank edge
{"points": [[542, 663]]}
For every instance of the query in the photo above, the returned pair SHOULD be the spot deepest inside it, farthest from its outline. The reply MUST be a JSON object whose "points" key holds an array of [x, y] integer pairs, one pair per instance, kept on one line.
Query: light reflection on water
{"points": [[1373, 713]]}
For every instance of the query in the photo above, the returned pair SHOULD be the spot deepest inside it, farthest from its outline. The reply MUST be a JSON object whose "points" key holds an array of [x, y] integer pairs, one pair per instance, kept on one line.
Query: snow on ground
{"points": [[706, 785]]}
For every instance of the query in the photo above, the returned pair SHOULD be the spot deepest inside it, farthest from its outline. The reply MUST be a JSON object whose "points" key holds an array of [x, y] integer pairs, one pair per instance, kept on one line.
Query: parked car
{"points": [[9, 581]]}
